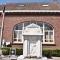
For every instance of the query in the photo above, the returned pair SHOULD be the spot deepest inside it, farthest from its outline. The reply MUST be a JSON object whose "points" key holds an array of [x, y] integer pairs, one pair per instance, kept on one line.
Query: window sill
{"points": [[17, 43], [48, 43]]}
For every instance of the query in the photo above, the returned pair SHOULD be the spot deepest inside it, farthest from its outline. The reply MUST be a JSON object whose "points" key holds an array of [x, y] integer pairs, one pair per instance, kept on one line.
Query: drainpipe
{"points": [[3, 15]]}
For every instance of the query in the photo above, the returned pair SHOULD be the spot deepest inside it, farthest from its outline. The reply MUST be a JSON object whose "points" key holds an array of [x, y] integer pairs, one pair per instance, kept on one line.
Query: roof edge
{"points": [[32, 11], [6, 11]]}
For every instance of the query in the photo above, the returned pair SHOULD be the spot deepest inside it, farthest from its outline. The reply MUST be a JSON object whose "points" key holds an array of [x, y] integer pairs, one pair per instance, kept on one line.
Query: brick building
{"points": [[20, 15]]}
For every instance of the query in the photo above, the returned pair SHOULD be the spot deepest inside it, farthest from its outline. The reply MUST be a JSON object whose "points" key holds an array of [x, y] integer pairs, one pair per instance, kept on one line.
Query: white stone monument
{"points": [[32, 45]]}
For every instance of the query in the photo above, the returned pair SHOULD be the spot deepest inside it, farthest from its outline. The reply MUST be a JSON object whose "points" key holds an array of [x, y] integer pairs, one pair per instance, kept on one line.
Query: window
{"points": [[48, 34], [17, 36], [47, 30], [48, 27]]}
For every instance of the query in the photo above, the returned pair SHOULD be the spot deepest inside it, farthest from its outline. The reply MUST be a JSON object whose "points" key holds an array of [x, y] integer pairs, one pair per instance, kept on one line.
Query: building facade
{"points": [[18, 16]]}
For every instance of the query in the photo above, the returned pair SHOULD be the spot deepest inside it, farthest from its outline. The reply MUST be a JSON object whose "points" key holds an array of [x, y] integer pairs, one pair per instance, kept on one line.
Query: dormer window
{"points": [[45, 5], [21, 5]]}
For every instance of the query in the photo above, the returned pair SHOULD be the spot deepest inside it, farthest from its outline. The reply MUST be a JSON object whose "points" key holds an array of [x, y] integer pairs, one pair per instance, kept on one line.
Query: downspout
{"points": [[3, 16]]}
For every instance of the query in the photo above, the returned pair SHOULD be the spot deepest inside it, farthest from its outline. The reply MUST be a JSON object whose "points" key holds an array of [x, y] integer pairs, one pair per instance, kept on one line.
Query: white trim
{"points": [[48, 43], [48, 35], [17, 42], [43, 33], [31, 11], [53, 37], [17, 30]]}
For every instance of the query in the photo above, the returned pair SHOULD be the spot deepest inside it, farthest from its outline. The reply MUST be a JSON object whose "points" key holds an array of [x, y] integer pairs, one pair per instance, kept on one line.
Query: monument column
{"points": [[39, 46], [25, 48]]}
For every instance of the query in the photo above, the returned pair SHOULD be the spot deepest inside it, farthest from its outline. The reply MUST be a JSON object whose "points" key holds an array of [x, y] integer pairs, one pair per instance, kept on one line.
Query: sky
{"points": [[16, 1]]}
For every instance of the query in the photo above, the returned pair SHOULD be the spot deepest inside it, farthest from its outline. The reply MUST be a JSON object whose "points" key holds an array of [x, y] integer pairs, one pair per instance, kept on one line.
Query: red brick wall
{"points": [[0, 19], [11, 21]]}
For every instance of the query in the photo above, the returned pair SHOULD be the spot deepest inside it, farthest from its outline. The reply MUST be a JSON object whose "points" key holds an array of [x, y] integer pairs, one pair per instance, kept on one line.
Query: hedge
{"points": [[19, 51], [47, 53], [5, 51], [50, 53]]}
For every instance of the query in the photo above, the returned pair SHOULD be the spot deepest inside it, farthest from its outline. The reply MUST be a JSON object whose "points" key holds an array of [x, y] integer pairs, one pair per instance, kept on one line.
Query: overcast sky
{"points": [[12, 1]]}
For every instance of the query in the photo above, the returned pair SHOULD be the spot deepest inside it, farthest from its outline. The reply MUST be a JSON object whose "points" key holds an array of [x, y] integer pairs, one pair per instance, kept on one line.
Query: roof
{"points": [[1, 7], [32, 6]]}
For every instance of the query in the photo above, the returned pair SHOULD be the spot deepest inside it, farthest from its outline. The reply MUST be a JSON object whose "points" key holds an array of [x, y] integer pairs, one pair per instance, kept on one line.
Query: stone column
{"points": [[28, 48], [25, 48], [39, 48]]}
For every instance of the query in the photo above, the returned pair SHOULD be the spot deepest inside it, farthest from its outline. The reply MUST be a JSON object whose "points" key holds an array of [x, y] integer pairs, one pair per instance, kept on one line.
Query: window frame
{"points": [[17, 37]]}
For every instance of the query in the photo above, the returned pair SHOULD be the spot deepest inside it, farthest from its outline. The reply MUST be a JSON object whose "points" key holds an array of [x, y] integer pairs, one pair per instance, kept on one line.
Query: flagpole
{"points": [[2, 26]]}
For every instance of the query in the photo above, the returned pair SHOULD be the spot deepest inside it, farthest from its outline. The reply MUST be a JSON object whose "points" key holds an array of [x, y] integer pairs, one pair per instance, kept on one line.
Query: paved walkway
{"points": [[55, 58], [9, 58]]}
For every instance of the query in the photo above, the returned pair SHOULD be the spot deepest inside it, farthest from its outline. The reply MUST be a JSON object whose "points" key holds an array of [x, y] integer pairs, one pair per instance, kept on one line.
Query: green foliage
{"points": [[56, 53], [49, 53], [19, 51], [5, 51]]}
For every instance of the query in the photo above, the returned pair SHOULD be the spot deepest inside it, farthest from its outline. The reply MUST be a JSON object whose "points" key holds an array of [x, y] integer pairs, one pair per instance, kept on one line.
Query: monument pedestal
{"points": [[22, 58], [13, 57]]}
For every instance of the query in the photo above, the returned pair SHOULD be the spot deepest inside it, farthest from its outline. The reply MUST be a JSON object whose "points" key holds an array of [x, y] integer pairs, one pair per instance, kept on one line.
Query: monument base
{"points": [[21, 57]]}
